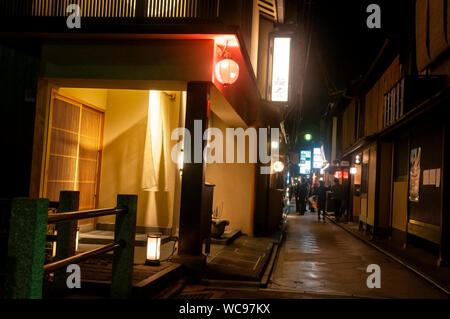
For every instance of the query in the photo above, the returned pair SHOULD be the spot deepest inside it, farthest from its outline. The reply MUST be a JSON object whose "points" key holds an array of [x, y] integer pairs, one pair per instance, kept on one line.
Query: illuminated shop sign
{"points": [[317, 158], [280, 69], [305, 162]]}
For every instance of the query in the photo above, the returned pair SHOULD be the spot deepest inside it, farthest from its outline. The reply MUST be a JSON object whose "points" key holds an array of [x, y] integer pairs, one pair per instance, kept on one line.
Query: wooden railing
{"points": [[408, 93], [27, 238], [394, 102], [172, 9]]}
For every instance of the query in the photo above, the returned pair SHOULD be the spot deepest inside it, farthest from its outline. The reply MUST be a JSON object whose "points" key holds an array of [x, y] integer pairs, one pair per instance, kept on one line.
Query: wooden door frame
{"points": [[41, 141]]}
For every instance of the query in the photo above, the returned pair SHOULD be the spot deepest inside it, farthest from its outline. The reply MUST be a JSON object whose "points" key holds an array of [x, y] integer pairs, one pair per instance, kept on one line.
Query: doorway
{"points": [[74, 150]]}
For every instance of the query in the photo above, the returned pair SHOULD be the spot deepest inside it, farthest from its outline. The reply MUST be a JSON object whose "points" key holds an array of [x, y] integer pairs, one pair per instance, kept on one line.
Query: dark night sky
{"points": [[345, 46]]}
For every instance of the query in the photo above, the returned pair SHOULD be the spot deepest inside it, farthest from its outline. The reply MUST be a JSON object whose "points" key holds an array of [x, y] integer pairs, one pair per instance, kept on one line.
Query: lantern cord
{"points": [[174, 249], [224, 50]]}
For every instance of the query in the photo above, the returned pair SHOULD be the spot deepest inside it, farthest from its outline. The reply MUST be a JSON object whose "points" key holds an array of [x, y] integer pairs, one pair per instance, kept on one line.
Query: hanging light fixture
{"points": [[153, 249], [338, 174], [308, 137], [278, 166], [226, 70]]}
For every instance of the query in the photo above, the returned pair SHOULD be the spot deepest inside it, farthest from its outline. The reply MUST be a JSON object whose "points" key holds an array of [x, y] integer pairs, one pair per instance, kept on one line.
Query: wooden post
{"points": [[141, 8], [192, 187], [125, 230], [444, 254], [66, 237], [26, 248]]}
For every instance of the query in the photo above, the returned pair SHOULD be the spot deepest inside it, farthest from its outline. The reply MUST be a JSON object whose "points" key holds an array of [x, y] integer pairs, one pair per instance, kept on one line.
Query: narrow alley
{"points": [[183, 150], [319, 259]]}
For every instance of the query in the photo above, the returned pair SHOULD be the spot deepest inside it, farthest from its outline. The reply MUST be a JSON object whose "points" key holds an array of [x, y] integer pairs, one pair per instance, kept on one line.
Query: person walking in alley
{"points": [[321, 193], [295, 190], [302, 194], [338, 193], [312, 198], [291, 189]]}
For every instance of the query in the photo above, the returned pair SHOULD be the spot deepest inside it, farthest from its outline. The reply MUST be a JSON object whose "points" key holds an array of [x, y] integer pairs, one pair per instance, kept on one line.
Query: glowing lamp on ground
{"points": [[77, 238], [55, 233], [278, 166], [153, 249], [227, 71]]}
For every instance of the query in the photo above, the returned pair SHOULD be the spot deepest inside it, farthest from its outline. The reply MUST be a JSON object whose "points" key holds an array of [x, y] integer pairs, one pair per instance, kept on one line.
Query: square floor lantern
{"points": [[153, 249]]}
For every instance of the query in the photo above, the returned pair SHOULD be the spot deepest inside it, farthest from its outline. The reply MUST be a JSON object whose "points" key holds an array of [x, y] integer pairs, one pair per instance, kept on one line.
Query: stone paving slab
{"points": [[245, 260], [227, 238]]}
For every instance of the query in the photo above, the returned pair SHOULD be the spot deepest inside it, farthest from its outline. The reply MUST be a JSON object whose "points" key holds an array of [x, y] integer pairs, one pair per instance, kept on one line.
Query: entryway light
{"points": [[278, 166], [153, 249], [353, 170]]}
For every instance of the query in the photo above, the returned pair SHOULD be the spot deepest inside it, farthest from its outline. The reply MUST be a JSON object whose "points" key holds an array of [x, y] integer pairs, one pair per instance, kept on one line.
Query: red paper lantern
{"points": [[227, 71], [338, 174]]}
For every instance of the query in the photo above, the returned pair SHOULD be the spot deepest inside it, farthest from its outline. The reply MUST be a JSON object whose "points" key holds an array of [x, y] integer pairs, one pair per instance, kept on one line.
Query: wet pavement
{"points": [[319, 257]]}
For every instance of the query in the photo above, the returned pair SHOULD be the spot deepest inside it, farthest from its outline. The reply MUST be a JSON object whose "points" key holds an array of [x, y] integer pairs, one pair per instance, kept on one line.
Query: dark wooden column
{"points": [[141, 8], [193, 180], [444, 254]]}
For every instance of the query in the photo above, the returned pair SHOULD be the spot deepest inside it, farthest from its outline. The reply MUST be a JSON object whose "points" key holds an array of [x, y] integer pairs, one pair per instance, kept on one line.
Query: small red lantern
{"points": [[227, 71]]}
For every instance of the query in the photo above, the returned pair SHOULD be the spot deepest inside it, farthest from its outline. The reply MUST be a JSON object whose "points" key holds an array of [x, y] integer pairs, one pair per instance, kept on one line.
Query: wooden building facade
{"points": [[394, 132]]}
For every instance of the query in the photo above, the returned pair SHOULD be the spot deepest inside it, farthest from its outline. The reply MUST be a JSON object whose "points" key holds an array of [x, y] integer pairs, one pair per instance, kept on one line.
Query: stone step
{"points": [[104, 237]]}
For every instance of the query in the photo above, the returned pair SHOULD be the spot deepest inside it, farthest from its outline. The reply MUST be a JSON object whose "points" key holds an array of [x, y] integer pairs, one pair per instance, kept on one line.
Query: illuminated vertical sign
{"points": [[305, 162], [280, 69], [317, 158]]}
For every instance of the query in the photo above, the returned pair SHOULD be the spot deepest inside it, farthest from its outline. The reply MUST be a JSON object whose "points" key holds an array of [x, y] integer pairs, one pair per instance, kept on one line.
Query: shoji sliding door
{"points": [[74, 148]]}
